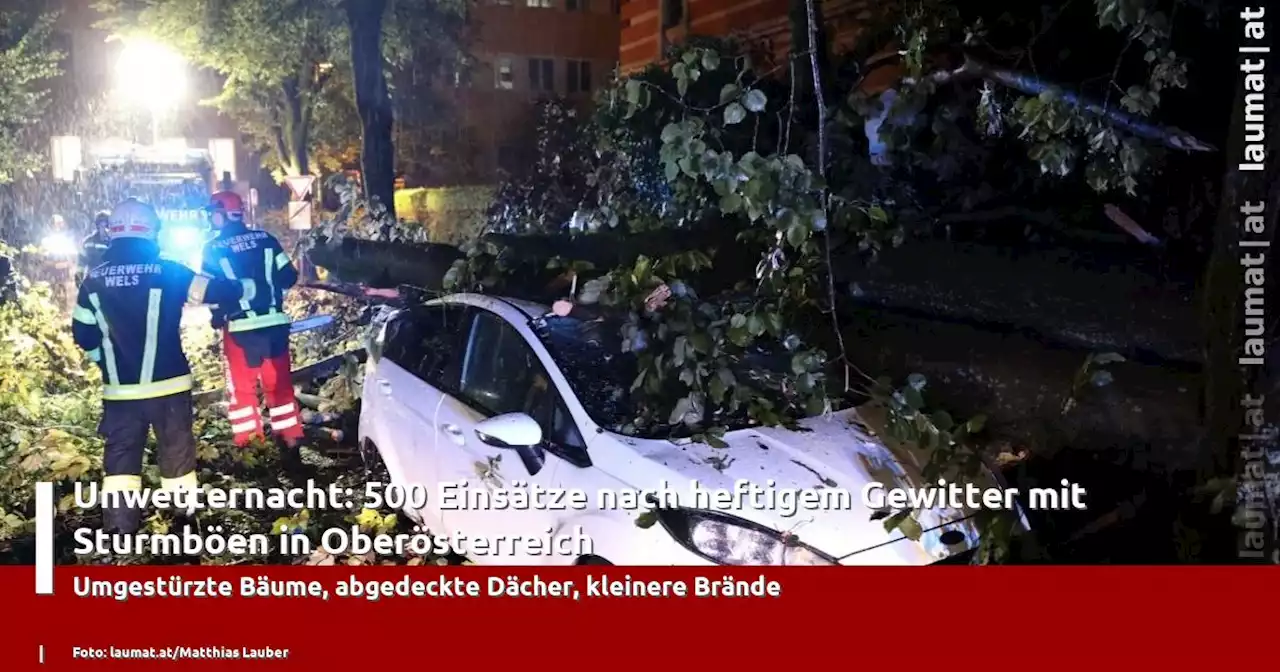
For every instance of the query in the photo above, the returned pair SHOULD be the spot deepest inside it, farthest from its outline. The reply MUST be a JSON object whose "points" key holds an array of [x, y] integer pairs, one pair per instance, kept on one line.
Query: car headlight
{"points": [[59, 245], [729, 540]]}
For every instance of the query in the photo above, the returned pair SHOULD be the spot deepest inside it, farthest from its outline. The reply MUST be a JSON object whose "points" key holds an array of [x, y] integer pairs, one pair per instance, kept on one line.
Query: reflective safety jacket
{"points": [[243, 253], [128, 318], [91, 251]]}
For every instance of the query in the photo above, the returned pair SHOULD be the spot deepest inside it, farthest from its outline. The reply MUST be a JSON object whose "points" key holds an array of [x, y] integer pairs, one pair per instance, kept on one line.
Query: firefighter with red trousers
{"points": [[128, 318], [255, 333]]}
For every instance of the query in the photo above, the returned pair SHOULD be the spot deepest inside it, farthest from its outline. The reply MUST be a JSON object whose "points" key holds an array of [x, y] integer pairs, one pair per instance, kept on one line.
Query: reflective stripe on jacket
{"points": [[243, 253], [128, 319]]}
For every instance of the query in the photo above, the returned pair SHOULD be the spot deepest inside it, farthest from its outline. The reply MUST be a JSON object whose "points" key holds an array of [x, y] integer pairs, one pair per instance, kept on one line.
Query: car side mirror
{"points": [[511, 430], [518, 432]]}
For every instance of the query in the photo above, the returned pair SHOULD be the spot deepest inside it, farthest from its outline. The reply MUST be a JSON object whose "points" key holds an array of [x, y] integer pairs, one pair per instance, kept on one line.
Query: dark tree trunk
{"points": [[292, 125], [364, 19]]}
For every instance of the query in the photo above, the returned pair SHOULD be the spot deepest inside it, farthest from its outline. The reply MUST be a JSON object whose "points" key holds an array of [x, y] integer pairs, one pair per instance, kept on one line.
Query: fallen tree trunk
{"points": [[1062, 297], [379, 263], [385, 264]]}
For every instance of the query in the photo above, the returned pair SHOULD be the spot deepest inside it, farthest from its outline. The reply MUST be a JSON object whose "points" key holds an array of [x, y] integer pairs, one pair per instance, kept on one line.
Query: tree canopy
{"points": [[984, 108], [287, 63], [28, 62]]}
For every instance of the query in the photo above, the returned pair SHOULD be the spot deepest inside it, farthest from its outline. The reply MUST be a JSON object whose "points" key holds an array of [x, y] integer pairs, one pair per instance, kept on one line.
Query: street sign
{"points": [[300, 186], [299, 215]]}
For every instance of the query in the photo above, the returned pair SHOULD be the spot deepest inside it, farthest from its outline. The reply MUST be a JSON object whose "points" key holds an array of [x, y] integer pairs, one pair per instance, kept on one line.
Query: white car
{"points": [[494, 391]]}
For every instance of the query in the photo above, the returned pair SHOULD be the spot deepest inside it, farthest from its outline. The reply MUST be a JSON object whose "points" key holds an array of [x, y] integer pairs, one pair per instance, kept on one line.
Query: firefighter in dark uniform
{"points": [[128, 318], [95, 246], [255, 333]]}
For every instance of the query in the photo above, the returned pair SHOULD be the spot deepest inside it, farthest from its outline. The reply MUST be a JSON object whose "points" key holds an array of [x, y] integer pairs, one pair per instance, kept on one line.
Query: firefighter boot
{"points": [[291, 457], [118, 520], [121, 519]]}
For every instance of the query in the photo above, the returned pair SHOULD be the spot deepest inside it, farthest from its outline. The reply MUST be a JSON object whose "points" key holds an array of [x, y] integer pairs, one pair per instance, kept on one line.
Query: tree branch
{"points": [[820, 99]]}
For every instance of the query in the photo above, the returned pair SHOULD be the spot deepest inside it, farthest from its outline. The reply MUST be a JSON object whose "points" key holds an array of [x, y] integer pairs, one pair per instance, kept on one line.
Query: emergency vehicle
{"points": [[173, 177]]}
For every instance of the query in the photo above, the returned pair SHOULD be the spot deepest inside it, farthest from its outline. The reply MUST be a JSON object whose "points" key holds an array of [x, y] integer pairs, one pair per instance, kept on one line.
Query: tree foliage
{"points": [[49, 413], [973, 116], [712, 138], [27, 62], [287, 63]]}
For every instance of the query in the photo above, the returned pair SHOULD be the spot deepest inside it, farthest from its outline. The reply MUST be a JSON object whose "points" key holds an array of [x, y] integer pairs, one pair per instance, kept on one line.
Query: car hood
{"points": [[839, 453]]}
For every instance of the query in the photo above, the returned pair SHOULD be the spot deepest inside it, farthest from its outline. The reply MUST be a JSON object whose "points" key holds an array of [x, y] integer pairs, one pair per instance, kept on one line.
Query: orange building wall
{"points": [[755, 20]]}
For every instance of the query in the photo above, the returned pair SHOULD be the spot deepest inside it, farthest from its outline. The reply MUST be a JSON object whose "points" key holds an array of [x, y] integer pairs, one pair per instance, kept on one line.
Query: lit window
{"points": [[504, 77], [545, 4]]}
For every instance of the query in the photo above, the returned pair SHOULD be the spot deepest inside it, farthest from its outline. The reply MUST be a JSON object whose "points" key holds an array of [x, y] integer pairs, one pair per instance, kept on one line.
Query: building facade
{"points": [[520, 52], [649, 27]]}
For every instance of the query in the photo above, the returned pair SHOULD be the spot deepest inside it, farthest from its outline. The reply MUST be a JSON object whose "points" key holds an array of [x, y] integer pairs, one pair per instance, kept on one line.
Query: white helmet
{"points": [[134, 219]]}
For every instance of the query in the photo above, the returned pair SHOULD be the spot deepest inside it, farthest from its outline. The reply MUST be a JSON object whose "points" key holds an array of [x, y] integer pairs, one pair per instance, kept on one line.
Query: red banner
{"points": [[535, 618]]}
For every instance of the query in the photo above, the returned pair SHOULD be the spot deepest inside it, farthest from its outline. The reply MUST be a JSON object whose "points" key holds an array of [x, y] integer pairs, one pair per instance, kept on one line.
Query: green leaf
{"points": [[716, 389], [913, 397], [728, 92], [710, 59], [734, 114], [797, 233], [730, 203], [975, 424], [892, 522], [633, 91], [943, 421], [682, 80], [646, 519], [911, 529], [755, 100], [799, 363], [672, 131], [877, 214], [774, 320], [680, 411]]}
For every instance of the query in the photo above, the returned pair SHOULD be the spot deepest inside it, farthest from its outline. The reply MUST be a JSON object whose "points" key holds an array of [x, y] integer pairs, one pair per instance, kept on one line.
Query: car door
{"points": [[410, 380], [501, 373]]}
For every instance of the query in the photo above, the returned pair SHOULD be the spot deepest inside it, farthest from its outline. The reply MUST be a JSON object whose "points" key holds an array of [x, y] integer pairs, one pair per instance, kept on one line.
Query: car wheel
{"points": [[593, 560]]}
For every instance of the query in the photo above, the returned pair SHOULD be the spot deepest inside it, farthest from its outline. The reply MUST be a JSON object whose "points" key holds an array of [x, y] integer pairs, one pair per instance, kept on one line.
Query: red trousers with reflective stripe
{"points": [[247, 366]]}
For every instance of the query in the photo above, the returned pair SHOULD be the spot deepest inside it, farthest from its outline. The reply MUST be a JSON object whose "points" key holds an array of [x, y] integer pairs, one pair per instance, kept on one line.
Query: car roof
{"points": [[516, 310]]}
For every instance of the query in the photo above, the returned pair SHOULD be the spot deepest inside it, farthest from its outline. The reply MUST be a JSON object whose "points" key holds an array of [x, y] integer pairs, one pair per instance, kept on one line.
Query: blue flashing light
{"points": [[183, 235]]}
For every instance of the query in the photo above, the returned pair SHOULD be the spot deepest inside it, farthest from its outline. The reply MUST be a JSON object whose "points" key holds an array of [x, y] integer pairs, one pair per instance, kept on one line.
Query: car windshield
{"points": [[589, 353]]}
